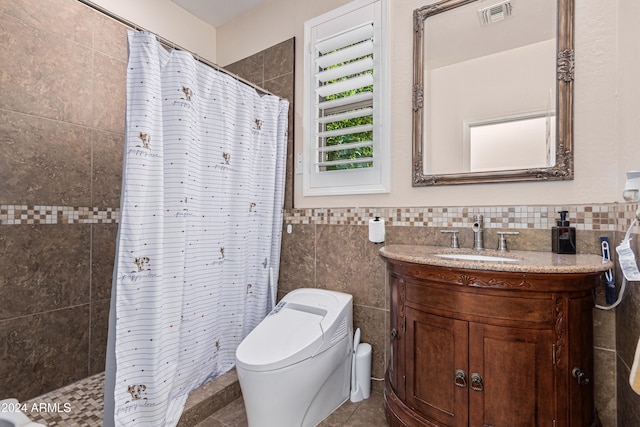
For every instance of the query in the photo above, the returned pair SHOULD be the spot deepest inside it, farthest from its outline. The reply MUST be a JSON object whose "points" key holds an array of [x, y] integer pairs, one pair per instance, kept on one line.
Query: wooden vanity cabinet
{"points": [[489, 348]]}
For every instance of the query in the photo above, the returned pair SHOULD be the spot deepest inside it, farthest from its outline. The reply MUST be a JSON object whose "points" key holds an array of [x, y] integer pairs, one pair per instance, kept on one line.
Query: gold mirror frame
{"points": [[563, 168]]}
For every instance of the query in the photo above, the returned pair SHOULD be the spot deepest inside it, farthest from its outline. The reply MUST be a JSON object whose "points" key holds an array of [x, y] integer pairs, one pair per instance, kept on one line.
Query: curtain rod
{"points": [[171, 45]]}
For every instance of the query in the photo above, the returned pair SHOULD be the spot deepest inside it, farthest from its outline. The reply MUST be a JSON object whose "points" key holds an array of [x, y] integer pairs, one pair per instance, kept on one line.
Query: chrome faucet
{"points": [[502, 243], [454, 238], [478, 231]]}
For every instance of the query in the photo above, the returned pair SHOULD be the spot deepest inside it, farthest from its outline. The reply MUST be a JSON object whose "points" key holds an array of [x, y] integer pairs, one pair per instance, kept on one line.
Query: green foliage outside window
{"points": [[351, 153]]}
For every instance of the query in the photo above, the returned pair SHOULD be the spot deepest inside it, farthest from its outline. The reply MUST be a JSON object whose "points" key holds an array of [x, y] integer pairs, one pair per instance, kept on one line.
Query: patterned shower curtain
{"points": [[200, 227]]}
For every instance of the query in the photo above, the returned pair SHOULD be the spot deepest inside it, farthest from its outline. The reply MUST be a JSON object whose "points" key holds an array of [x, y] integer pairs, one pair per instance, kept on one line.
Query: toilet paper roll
{"points": [[376, 230]]}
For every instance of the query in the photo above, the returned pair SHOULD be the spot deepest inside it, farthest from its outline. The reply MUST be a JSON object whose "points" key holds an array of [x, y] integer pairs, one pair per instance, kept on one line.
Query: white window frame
{"points": [[369, 180]]}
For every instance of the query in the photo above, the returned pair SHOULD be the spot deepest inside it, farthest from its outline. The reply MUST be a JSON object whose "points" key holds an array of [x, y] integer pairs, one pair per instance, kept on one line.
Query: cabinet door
{"points": [[436, 347], [395, 370], [579, 347], [511, 377]]}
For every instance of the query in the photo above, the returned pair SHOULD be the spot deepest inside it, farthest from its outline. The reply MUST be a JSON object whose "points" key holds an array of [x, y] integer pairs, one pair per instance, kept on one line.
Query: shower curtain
{"points": [[200, 227]]}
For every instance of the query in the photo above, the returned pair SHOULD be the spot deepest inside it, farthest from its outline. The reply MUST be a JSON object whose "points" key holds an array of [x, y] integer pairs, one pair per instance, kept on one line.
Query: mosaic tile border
{"points": [[21, 215], [608, 217]]}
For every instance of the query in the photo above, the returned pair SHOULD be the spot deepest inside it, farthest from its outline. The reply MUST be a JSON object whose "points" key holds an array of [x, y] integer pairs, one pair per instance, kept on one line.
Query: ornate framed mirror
{"points": [[493, 91]]}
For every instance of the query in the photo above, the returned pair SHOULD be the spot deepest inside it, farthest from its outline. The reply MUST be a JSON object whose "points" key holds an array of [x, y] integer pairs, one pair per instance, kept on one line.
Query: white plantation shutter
{"points": [[346, 148]]}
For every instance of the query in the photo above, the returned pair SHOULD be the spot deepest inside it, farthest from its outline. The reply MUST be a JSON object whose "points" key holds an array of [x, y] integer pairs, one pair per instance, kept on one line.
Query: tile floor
{"points": [[81, 405], [77, 405], [367, 413]]}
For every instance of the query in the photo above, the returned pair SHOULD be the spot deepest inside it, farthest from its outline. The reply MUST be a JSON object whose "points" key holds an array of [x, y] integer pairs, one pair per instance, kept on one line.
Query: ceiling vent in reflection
{"points": [[495, 13]]}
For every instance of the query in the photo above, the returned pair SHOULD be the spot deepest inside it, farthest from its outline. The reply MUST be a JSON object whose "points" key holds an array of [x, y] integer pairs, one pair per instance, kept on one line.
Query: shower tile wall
{"points": [[61, 136], [61, 133]]}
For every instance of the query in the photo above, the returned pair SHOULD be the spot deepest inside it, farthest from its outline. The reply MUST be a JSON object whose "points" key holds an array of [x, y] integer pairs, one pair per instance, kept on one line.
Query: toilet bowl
{"points": [[294, 367], [12, 416]]}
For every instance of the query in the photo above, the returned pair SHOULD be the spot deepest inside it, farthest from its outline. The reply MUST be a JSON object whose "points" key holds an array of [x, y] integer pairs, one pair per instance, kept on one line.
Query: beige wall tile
{"points": [[44, 267], [628, 324], [250, 68], [109, 37], [628, 402], [371, 322], [67, 19], [279, 60], [43, 352], [109, 85], [605, 385], [604, 324], [297, 258], [106, 173], [346, 261], [99, 331], [47, 75], [103, 253], [44, 162]]}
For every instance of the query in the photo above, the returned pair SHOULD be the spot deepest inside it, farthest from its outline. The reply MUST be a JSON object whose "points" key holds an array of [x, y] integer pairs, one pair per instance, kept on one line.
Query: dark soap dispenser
{"points": [[563, 237]]}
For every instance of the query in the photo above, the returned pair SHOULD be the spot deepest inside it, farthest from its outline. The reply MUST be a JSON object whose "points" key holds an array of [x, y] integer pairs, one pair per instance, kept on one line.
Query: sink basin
{"points": [[477, 257]]}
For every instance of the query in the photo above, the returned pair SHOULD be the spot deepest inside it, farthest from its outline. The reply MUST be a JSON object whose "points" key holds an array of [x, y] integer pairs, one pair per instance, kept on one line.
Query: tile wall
{"points": [[627, 326], [61, 142], [329, 248], [61, 133], [61, 121]]}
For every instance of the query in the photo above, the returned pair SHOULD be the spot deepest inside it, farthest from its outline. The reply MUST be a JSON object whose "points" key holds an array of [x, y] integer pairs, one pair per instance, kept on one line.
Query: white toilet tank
{"points": [[294, 367]]}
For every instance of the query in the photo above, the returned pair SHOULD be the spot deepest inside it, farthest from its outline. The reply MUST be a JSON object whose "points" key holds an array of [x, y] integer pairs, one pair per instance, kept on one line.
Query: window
{"points": [[515, 142], [346, 101]]}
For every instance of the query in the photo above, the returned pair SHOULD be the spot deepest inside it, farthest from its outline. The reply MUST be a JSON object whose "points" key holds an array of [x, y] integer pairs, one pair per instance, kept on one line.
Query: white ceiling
{"points": [[458, 34], [217, 12]]}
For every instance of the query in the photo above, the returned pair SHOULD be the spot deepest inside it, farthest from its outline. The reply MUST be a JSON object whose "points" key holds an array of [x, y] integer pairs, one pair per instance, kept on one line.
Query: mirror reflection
{"points": [[486, 91], [522, 142]]}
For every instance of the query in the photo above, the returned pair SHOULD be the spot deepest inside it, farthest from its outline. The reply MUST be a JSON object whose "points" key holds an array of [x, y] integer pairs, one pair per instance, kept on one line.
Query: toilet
{"points": [[294, 367]]}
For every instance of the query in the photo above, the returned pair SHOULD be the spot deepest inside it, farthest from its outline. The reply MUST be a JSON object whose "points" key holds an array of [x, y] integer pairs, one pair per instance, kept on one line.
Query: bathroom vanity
{"points": [[490, 340]]}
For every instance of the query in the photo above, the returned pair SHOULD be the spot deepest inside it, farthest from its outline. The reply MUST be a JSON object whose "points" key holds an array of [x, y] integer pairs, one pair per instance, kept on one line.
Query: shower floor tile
{"points": [[81, 405], [77, 405], [367, 413]]}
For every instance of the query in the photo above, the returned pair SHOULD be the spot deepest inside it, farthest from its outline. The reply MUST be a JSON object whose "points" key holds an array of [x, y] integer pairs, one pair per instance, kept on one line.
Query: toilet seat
{"points": [[285, 337]]}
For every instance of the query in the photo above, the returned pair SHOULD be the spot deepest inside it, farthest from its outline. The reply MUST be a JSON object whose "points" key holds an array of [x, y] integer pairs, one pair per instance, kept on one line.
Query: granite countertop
{"points": [[526, 261]]}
